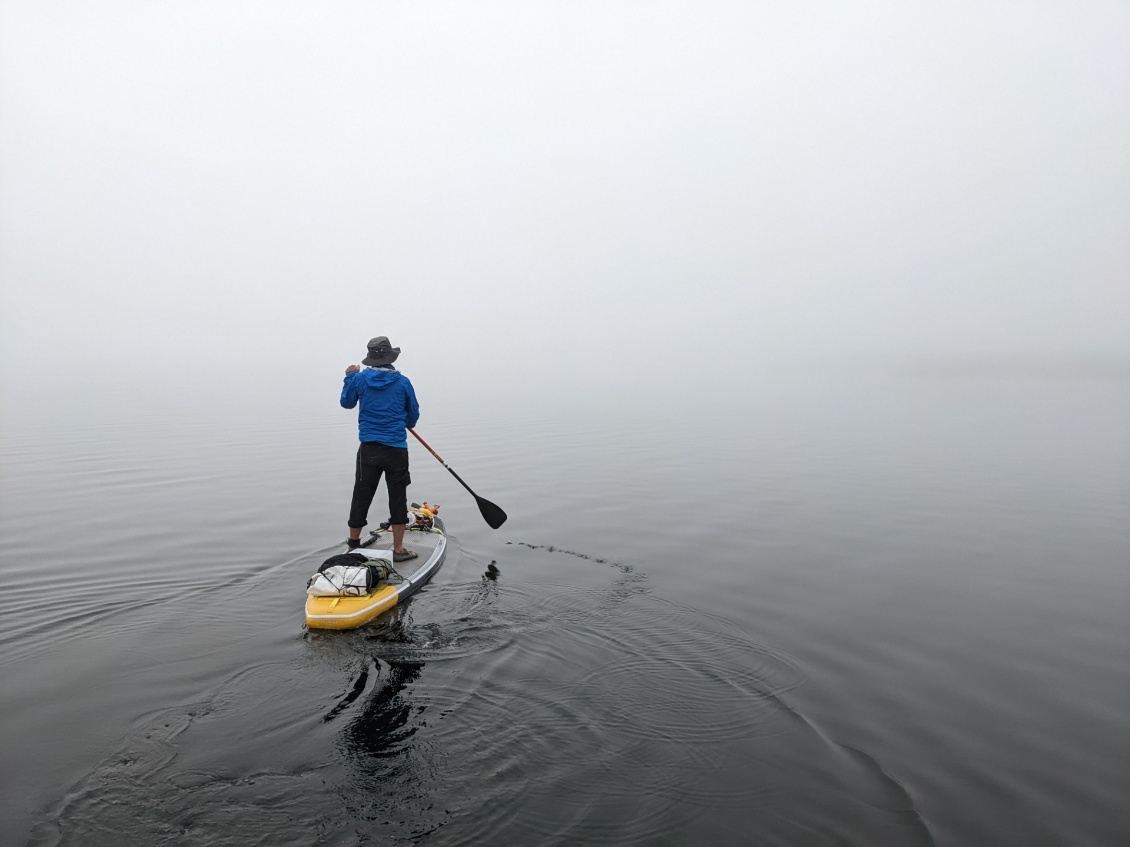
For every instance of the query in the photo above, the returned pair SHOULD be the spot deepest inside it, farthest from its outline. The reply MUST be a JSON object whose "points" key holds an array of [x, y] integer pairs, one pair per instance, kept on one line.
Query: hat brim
{"points": [[386, 358]]}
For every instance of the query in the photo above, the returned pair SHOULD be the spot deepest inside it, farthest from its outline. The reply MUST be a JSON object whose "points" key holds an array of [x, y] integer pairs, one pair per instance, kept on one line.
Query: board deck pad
{"points": [[423, 543]]}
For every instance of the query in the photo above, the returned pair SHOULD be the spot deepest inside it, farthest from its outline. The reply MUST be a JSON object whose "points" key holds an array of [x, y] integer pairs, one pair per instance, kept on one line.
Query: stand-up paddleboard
{"points": [[427, 538]]}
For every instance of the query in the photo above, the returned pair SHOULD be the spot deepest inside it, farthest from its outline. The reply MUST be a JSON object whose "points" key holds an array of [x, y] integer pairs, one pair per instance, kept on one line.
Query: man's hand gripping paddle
{"points": [[493, 515]]}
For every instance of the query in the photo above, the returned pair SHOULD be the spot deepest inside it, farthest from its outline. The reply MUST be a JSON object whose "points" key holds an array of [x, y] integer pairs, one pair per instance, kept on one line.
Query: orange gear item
{"points": [[426, 514]]}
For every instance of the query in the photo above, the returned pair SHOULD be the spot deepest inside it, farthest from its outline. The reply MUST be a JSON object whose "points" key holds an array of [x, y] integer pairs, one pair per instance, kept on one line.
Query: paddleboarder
{"points": [[388, 409]]}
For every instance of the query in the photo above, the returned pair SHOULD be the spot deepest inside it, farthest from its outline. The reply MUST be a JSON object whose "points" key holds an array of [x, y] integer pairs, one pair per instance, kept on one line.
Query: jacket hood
{"points": [[379, 378]]}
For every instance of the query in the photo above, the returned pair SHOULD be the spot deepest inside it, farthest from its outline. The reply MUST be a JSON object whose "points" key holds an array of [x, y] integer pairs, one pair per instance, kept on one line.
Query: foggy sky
{"points": [[546, 186]]}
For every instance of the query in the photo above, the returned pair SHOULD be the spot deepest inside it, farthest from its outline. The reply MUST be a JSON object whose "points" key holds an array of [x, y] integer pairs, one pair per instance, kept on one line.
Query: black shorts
{"points": [[374, 460]]}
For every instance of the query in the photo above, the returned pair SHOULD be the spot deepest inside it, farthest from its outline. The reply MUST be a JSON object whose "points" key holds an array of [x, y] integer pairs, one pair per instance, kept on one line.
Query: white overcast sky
{"points": [[559, 185]]}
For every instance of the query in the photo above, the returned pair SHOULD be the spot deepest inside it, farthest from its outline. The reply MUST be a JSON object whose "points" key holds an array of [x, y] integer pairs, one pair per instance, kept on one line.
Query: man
{"points": [[388, 407]]}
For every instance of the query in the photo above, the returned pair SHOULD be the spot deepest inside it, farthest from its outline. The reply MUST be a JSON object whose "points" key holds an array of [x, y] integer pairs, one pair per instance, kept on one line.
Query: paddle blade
{"points": [[493, 515]]}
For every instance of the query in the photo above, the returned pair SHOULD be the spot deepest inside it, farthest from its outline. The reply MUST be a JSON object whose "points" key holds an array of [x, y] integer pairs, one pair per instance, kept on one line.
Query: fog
{"points": [[530, 190]]}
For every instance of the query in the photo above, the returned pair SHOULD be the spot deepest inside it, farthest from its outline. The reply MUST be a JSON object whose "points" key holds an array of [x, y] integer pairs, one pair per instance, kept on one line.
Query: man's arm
{"points": [[412, 408], [349, 394]]}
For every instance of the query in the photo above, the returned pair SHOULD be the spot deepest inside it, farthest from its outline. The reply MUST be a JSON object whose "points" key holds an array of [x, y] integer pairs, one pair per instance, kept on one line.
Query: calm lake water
{"points": [[835, 609]]}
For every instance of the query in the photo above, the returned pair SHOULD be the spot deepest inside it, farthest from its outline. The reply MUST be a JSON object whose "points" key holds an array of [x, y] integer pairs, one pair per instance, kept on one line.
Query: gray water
{"points": [[847, 608]]}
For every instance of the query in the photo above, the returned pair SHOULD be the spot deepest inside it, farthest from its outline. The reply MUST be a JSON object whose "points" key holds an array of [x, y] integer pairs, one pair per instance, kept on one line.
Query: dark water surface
{"points": [[829, 610]]}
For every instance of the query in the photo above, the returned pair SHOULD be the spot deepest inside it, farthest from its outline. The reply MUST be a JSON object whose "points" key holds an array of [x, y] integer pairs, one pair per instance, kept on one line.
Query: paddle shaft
{"points": [[492, 514], [441, 461]]}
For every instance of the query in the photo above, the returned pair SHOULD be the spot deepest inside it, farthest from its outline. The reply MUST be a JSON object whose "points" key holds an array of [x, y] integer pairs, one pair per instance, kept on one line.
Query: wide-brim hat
{"points": [[381, 352]]}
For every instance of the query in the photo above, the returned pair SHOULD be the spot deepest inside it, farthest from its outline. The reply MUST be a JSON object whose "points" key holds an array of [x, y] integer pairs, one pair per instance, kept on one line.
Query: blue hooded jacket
{"points": [[388, 404]]}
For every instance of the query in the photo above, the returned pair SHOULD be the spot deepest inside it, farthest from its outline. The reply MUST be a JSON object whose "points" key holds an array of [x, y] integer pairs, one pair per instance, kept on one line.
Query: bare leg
{"points": [[398, 537]]}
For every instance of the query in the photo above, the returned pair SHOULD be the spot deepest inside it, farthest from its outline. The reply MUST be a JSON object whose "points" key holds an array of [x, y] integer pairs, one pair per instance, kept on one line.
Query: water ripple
{"points": [[490, 712]]}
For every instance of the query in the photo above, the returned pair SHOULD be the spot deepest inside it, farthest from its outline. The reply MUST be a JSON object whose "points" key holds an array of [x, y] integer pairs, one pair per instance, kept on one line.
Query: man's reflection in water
{"points": [[381, 725]]}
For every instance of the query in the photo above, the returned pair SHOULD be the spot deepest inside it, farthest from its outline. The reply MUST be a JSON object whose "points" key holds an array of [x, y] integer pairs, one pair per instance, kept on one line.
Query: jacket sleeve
{"points": [[412, 408], [349, 394]]}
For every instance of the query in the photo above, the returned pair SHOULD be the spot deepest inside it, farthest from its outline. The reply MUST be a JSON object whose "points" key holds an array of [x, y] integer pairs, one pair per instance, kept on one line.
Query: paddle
{"points": [[493, 515]]}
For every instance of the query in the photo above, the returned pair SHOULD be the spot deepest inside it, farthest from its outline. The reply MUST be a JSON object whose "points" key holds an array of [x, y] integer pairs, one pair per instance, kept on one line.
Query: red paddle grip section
{"points": [[430, 450]]}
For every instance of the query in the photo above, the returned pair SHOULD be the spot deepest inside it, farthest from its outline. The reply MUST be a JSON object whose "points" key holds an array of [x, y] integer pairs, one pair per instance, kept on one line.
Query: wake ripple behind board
{"points": [[493, 713]]}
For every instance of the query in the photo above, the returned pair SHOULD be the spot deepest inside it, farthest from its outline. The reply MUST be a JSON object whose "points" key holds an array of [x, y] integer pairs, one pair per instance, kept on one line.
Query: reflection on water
{"points": [[868, 616], [500, 715]]}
